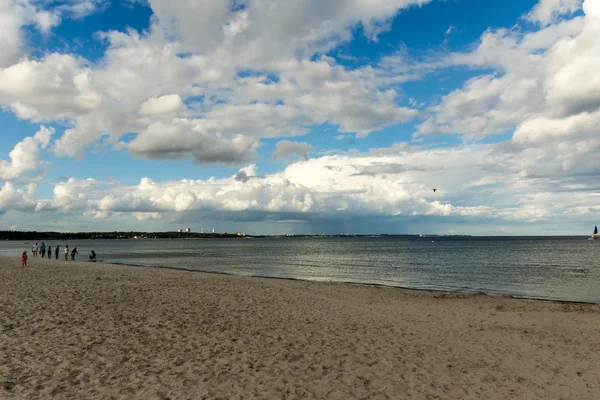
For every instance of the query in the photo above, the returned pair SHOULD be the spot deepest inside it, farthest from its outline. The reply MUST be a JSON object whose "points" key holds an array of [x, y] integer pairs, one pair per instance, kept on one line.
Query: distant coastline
{"points": [[33, 235], [123, 235], [136, 235]]}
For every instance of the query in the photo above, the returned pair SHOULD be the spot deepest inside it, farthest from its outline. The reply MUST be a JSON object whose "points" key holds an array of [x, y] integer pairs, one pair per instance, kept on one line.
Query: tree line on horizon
{"points": [[34, 235]]}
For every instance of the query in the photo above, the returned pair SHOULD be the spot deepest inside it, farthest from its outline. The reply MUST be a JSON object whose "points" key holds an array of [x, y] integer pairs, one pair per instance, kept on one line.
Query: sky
{"points": [[301, 116]]}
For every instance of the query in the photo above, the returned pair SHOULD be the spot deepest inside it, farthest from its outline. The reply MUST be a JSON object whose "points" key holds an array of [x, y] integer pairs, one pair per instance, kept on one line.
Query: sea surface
{"points": [[545, 268]]}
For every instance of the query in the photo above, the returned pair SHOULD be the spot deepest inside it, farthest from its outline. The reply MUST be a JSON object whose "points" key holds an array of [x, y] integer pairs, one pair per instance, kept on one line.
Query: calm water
{"points": [[548, 268]]}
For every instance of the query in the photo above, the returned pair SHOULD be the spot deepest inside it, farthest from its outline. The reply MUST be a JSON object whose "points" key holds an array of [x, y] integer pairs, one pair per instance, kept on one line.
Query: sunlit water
{"points": [[547, 268]]}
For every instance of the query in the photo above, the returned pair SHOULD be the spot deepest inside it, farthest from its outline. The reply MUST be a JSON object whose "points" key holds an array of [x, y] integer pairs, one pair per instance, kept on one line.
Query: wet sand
{"points": [[96, 331]]}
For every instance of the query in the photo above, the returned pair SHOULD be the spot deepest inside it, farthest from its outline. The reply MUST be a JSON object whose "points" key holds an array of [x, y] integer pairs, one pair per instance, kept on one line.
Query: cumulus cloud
{"points": [[209, 82], [78, 9], [20, 199], [493, 103], [182, 138], [26, 155], [571, 83], [55, 88], [286, 96], [390, 168], [548, 11], [286, 150], [246, 173], [166, 104], [263, 31], [14, 15], [388, 184], [474, 182]]}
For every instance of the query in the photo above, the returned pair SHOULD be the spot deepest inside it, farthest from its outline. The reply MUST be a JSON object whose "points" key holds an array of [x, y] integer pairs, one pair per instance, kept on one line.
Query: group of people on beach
{"points": [[42, 251]]}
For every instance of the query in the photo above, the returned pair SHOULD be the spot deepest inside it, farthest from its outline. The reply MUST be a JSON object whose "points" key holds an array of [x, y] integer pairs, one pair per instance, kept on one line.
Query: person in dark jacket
{"points": [[56, 251]]}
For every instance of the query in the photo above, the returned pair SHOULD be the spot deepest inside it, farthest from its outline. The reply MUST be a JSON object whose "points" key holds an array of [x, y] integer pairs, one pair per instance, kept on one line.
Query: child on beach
{"points": [[73, 254], [24, 259]]}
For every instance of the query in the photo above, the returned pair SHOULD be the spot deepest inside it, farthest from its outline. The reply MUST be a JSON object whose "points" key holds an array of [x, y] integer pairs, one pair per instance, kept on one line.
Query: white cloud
{"points": [[14, 15], [54, 88], [547, 12], [544, 85], [197, 69], [166, 104], [26, 155], [266, 30], [474, 182], [359, 184], [20, 199], [78, 9], [70, 196], [208, 82], [572, 83], [246, 173]]}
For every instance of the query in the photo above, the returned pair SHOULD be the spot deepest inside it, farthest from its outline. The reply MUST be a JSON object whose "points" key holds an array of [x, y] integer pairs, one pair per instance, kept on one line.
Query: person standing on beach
{"points": [[24, 259], [66, 252], [43, 250], [49, 251], [56, 251], [73, 254], [34, 250]]}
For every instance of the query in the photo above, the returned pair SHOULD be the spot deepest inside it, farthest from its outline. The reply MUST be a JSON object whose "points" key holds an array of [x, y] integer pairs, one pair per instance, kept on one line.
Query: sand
{"points": [[79, 330]]}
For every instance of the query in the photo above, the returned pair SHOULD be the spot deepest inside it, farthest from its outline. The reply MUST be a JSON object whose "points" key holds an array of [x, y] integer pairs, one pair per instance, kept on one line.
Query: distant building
{"points": [[179, 230], [243, 233], [213, 230], [188, 230], [239, 234]]}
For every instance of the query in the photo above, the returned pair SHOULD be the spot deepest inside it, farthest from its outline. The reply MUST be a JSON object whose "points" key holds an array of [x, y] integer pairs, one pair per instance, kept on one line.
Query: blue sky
{"points": [[301, 116]]}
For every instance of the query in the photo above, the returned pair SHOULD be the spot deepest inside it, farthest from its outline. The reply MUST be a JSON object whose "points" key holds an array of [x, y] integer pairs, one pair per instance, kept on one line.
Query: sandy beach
{"points": [[96, 331]]}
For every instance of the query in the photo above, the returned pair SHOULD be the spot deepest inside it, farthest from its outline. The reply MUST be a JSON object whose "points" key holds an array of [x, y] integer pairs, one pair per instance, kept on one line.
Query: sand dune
{"points": [[95, 331]]}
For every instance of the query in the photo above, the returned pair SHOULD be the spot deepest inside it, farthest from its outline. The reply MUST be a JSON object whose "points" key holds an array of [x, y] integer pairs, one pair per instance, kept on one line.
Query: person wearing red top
{"points": [[24, 258]]}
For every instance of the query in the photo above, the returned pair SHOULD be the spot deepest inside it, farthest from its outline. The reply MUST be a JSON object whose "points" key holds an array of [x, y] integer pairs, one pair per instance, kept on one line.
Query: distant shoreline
{"points": [[39, 236]]}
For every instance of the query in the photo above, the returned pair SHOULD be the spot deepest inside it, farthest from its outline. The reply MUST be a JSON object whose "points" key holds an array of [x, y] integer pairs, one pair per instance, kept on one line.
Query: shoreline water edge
{"points": [[350, 283], [545, 269]]}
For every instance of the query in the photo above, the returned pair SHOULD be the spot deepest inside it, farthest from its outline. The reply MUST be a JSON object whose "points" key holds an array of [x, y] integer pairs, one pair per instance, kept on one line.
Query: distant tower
{"points": [[213, 230], [187, 230], [201, 229]]}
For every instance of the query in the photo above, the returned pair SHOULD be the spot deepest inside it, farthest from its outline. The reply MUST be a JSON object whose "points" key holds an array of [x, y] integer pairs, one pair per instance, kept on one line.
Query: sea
{"points": [[548, 268]]}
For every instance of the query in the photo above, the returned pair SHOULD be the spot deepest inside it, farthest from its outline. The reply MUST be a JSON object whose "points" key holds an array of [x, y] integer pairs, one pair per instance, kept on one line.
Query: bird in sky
{"points": [[434, 190]]}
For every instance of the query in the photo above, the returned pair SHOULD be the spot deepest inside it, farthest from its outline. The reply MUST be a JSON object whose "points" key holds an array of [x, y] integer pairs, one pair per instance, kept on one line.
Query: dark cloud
{"points": [[380, 169], [181, 139], [287, 151]]}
